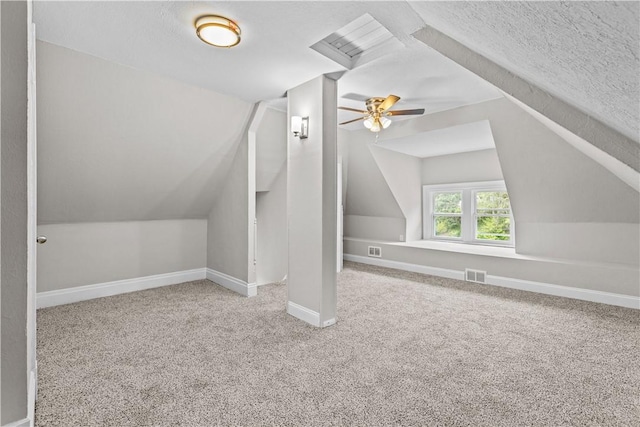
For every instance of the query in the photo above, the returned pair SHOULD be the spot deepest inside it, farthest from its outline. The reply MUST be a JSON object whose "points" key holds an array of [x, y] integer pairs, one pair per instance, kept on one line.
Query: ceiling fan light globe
{"points": [[375, 127], [368, 123], [385, 122]]}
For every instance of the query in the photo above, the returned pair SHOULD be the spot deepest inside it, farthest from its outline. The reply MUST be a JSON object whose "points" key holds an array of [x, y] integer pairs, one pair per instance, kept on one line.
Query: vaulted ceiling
{"points": [[586, 53], [106, 167]]}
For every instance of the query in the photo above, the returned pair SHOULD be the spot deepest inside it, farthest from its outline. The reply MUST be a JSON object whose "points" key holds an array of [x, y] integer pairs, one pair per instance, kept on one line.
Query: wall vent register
{"points": [[375, 251], [476, 276]]}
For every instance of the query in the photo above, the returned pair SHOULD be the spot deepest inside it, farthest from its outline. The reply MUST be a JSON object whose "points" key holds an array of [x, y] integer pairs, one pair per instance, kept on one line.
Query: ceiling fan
{"points": [[375, 116]]}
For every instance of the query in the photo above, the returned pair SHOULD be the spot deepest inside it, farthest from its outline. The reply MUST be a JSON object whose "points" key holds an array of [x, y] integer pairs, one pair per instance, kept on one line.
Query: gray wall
{"points": [[271, 197], [569, 210], [90, 253], [13, 210], [271, 148], [370, 208], [228, 222], [271, 212], [620, 279], [403, 174], [374, 227], [549, 182], [368, 193], [473, 166], [120, 144], [311, 198]]}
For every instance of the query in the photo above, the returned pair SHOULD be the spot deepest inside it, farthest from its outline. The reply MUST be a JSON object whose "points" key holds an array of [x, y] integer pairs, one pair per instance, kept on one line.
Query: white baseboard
{"points": [[414, 268], [233, 284], [303, 313], [609, 298], [507, 282], [307, 315], [32, 395], [99, 290], [25, 422]]}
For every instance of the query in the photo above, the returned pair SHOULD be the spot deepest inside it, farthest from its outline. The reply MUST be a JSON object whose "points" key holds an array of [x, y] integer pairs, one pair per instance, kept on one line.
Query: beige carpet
{"points": [[407, 349]]}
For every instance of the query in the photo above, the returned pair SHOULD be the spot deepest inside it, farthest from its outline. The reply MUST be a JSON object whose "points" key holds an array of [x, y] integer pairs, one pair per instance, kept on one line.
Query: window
{"points": [[477, 212], [447, 214]]}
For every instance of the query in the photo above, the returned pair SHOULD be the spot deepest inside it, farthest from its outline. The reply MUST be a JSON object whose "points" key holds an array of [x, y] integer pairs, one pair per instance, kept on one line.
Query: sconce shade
{"points": [[296, 124], [300, 126]]}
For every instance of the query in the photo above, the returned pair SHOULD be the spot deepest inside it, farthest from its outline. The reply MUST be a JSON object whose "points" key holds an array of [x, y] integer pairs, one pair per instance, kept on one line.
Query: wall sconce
{"points": [[300, 126]]}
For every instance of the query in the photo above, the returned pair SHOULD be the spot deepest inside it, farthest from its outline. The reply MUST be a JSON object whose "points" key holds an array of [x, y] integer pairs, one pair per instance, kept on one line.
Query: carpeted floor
{"points": [[407, 349]]}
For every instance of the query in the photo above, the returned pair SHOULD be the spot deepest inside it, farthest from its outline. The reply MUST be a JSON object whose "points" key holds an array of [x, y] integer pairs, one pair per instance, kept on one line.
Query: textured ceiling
{"points": [[150, 161], [585, 53], [274, 55]]}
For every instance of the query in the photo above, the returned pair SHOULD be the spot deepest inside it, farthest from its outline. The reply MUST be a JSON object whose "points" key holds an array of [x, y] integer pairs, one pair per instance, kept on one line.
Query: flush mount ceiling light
{"points": [[218, 31]]}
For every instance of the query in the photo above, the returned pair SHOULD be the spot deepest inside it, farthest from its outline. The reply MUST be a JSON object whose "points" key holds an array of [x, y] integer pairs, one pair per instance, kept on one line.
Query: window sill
{"points": [[458, 247], [490, 251], [466, 248]]}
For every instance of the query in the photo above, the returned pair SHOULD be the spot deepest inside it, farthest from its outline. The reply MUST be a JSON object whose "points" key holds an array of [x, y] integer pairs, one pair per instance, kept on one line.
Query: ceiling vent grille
{"points": [[358, 42]]}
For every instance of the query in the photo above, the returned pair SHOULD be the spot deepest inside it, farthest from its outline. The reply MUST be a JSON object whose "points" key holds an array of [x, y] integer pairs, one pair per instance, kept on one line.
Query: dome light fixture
{"points": [[218, 31]]}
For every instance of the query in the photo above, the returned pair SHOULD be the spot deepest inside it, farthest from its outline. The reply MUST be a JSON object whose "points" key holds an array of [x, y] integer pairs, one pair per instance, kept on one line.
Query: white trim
{"points": [[305, 314], [415, 268], [99, 290], [25, 422], [32, 213], [32, 395], [468, 214], [566, 291], [329, 322], [231, 283], [620, 300], [480, 185]]}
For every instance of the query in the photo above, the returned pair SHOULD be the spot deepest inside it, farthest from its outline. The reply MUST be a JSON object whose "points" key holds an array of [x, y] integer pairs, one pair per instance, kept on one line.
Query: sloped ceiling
{"points": [[274, 54], [583, 52], [154, 141], [116, 144], [586, 53]]}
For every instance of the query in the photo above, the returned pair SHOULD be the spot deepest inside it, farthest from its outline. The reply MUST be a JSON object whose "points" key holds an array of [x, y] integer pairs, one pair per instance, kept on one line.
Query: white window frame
{"points": [[469, 215]]}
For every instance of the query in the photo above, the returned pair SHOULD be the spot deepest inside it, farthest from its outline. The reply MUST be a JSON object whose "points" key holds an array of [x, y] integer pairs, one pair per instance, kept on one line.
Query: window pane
{"points": [[447, 202], [493, 228], [447, 226], [492, 203]]}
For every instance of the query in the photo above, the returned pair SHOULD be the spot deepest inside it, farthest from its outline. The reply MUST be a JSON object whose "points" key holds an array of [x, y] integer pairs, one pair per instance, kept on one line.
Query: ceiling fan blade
{"points": [[416, 111], [351, 121], [388, 102], [353, 109], [356, 97]]}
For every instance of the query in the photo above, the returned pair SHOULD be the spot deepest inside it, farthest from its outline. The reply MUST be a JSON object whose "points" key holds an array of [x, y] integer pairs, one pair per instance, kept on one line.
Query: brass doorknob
{"points": [[41, 239]]}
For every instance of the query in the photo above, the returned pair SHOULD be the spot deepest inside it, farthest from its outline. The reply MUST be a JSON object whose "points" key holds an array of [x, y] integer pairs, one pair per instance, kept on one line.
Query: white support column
{"points": [[312, 204]]}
